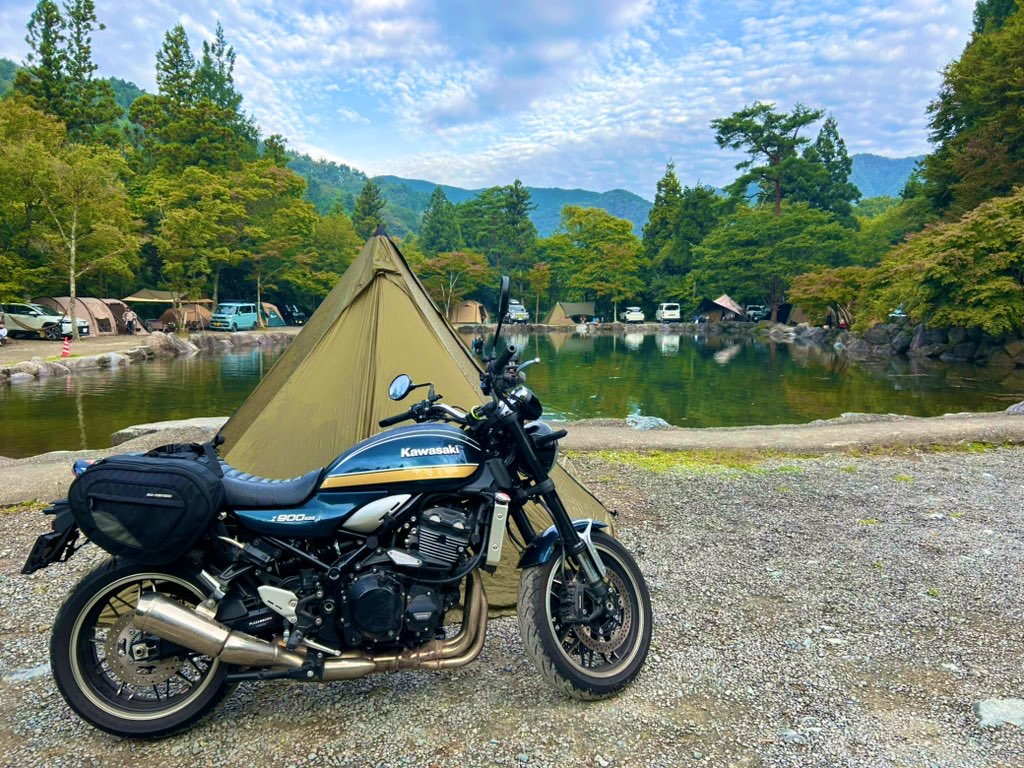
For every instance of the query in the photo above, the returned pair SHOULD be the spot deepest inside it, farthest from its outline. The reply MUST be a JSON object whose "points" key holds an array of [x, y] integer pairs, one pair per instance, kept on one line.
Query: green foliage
{"points": [[596, 256], [539, 280], [754, 254], [822, 179], [771, 139], [367, 214], [7, 71], [889, 227], [328, 184], [977, 121], [837, 291], [967, 273], [125, 93], [990, 15], [870, 207], [449, 277], [439, 232], [660, 220], [497, 223], [697, 212]]}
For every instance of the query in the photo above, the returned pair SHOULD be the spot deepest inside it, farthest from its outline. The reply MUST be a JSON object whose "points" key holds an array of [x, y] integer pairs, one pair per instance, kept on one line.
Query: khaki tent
{"points": [[468, 312], [118, 309], [722, 308], [564, 312], [272, 316], [97, 314], [149, 296], [188, 317], [328, 389]]}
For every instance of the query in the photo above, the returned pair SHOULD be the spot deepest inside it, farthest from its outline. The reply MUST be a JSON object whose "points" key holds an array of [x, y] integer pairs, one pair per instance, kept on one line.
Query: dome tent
{"points": [[97, 314], [376, 323]]}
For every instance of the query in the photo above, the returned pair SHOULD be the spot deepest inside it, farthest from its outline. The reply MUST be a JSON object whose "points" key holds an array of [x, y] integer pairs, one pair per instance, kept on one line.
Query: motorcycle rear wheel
{"points": [[587, 661], [94, 652]]}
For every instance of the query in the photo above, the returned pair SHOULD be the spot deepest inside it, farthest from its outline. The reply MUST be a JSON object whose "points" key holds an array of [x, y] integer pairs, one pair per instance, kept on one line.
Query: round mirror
{"points": [[400, 387]]}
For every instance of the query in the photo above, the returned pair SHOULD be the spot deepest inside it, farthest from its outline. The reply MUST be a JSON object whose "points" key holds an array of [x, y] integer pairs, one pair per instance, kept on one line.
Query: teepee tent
{"points": [[569, 312], [329, 388]]}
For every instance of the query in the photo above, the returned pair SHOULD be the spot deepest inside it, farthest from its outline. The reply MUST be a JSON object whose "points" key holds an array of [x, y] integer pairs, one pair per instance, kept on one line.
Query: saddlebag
{"points": [[151, 508]]}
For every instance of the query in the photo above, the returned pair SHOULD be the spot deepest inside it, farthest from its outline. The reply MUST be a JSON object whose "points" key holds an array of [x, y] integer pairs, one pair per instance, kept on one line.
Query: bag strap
{"points": [[212, 457]]}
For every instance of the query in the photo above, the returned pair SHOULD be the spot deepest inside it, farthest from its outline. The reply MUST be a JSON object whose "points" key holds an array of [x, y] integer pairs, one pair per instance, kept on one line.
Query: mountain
{"points": [[7, 70], [877, 176]]}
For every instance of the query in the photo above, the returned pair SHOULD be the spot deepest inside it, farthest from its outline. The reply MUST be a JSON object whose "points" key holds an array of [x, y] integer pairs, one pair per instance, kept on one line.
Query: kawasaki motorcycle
{"points": [[220, 577]]}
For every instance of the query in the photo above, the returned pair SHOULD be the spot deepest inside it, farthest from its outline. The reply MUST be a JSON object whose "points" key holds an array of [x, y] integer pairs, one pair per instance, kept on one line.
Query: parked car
{"points": [[667, 313], [36, 321], [517, 313], [293, 315], [233, 316], [633, 315], [757, 312]]}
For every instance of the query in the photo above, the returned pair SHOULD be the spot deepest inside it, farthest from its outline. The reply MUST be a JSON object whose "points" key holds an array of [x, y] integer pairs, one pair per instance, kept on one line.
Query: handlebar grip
{"points": [[391, 420], [499, 363]]}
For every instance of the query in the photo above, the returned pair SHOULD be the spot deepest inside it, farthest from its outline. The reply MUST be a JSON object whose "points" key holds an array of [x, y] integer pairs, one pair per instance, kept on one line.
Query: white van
{"points": [[667, 313]]}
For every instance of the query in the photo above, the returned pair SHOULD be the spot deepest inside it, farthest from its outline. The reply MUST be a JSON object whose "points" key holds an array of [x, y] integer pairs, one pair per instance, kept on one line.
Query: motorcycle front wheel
{"points": [[119, 679], [586, 660]]}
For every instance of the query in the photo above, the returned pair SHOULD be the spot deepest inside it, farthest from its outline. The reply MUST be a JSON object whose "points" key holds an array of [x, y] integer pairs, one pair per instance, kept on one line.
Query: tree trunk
{"points": [[615, 310], [778, 198], [72, 288], [259, 300], [216, 286], [536, 313]]}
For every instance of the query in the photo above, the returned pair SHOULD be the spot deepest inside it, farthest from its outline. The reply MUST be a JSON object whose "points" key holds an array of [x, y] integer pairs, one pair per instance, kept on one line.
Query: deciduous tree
{"points": [[449, 277]]}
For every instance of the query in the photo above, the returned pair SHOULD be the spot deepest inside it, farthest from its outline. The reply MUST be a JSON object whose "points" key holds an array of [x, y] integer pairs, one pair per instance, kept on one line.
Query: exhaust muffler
{"points": [[175, 623]]}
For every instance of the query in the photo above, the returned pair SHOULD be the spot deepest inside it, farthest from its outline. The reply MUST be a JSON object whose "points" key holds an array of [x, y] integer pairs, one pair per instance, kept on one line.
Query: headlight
{"points": [[548, 452]]}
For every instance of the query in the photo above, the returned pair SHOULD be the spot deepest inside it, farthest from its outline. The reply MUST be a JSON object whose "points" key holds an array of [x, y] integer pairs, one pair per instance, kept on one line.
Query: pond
{"points": [[686, 380]]}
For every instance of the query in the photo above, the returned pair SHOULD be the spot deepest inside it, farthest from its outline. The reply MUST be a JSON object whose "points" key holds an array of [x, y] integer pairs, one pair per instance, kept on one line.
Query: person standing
{"points": [[130, 319], [3, 332]]}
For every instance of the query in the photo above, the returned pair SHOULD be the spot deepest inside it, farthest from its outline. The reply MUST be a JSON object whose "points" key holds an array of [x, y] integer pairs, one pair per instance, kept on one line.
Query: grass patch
{"points": [[58, 358], [24, 506], [903, 479], [702, 462], [933, 592], [868, 521], [849, 469]]}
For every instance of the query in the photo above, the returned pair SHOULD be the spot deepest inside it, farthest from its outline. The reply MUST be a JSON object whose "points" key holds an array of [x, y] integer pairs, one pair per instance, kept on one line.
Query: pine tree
{"points": [[44, 77], [439, 232], [176, 69], [658, 229], [368, 213], [90, 102], [822, 178]]}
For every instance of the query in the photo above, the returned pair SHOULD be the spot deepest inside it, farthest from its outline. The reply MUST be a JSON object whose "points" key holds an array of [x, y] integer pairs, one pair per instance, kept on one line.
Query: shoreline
{"points": [[46, 476]]}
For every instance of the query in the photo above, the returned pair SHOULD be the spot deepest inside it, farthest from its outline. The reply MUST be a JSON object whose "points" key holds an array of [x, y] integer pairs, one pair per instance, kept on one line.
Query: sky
{"points": [[595, 94]]}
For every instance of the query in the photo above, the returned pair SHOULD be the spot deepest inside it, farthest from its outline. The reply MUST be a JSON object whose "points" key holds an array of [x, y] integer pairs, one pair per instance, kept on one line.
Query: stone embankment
{"points": [[157, 345]]}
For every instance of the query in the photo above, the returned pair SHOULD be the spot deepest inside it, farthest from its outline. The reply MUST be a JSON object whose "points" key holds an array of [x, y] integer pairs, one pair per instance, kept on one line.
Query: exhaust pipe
{"points": [[175, 623]]}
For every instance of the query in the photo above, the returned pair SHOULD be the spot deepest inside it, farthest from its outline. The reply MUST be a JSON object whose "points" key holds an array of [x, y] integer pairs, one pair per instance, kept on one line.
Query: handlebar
{"points": [[392, 420], [502, 360]]}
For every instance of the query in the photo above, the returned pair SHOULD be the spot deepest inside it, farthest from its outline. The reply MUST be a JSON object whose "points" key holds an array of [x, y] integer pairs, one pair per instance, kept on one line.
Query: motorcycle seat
{"points": [[242, 490]]}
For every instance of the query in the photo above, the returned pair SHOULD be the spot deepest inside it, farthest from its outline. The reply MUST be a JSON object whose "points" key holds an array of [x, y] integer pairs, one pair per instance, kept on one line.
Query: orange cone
{"points": [[66, 352]]}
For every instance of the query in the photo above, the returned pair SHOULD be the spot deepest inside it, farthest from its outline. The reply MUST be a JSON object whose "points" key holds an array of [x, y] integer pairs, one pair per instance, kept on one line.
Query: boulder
{"points": [[1015, 348], [30, 368], [966, 350], [162, 344], [858, 349], [995, 713], [20, 378], [47, 369], [815, 335], [999, 358], [781, 333], [956, 336], [1017, 409], [927, 350], [212, 423], [880, 334], [901, 342], [644, 423]]}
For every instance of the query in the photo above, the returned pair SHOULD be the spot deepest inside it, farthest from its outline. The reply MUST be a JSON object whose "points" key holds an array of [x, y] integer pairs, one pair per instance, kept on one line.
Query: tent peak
{"points": [[380, 231]]}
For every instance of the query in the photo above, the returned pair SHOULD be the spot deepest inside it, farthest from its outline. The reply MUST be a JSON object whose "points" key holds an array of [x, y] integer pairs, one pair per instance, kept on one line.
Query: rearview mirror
{"points": [[400, 387]]}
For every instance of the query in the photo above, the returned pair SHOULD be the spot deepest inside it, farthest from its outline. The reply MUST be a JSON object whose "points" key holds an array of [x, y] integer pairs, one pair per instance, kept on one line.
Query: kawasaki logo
{"points": [[444, 450]]}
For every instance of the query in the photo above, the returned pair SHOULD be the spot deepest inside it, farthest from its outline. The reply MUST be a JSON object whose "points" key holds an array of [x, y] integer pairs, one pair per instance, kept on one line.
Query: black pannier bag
{"points": [[150, 508]]}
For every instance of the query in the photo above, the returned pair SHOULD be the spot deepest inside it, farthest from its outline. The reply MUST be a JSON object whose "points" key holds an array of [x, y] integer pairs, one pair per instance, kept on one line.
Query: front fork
{"points": [[579, 546]]}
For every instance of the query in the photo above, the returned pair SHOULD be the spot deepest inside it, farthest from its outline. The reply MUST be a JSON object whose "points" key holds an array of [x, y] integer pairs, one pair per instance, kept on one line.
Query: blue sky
{"points": [[597, 94]]}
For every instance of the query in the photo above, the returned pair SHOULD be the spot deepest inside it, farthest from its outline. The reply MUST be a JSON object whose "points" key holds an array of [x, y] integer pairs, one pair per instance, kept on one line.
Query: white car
{"points": [[667, 313], [632, 315], [38, 321], [517, 313]]}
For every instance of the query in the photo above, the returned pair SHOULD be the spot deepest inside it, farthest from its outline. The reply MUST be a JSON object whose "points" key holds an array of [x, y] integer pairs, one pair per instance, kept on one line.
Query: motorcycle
{"points": [[220, 577]]}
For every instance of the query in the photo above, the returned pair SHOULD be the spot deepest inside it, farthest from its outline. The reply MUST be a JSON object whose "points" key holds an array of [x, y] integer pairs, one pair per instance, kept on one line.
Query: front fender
{"points": [[539, 550]]}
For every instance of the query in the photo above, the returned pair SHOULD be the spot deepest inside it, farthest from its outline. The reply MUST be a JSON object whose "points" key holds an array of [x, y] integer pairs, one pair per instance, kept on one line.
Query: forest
{"points": [[105, 189]]}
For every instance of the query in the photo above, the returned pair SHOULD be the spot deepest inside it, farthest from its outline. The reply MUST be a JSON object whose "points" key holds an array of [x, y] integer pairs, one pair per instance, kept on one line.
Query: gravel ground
{"points": [[832, 611]]}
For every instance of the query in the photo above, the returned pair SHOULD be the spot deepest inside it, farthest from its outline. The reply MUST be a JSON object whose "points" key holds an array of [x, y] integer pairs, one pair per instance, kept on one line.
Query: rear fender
{"points": [[540, 550]]}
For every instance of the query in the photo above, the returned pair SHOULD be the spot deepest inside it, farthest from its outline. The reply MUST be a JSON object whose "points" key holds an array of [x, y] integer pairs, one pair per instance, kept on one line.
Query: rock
{"points": [[112, 360], [1016, 410], [792, 737], [138, 430], [966, 350], [859, 349], [32, 369], [999, 358], [880, 334], [162, 344], [927, 350], [950, 667], [901, 342], [21, 378], [956, 336], [1014, 348], [838, 346], [815, 335], [644, 423], [995, 713], [781, 333]]}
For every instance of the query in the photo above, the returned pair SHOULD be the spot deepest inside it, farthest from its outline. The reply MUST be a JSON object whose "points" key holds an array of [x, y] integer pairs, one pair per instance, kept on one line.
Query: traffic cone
{"points": [[66, 352]]}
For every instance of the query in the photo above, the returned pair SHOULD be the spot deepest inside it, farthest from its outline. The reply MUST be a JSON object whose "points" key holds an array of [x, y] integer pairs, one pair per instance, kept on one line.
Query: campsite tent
{"points": [[149, 296], [97, 314], [117, 309], [189, 316], [468, 312], [329, 388], [272, 316], [564, 312], [720, 309]]}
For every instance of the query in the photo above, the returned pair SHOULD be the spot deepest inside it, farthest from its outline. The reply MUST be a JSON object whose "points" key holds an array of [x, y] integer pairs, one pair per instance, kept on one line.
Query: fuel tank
{"points": [[418, 457]]}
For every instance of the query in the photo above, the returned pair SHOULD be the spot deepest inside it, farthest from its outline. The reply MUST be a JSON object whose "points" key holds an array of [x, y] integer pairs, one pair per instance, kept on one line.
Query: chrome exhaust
{"points": [[176, 623]]}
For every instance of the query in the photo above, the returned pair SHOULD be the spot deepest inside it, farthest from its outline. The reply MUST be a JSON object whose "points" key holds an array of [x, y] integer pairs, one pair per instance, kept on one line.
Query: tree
{"points": [[439, 231], [755, 254], [367, 216], [275, 150], [771, 139], [334, 245], [597, 255], [43, 79], [838, 291], [990, 15], [90, 110], [497, 222], [88, 223], [448, 277], [539, 279], [822, 179], [660, 219], [176, 70], [697, 212], [967, 273]]}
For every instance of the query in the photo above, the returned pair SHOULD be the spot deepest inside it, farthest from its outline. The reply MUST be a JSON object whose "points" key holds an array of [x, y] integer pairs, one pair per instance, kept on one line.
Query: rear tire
{"points": [[582, 661], [92, 646]]}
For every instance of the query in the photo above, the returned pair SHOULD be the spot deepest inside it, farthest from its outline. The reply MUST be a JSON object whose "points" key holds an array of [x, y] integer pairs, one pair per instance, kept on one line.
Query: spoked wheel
{"points": [[119, 679], [586, 660]]}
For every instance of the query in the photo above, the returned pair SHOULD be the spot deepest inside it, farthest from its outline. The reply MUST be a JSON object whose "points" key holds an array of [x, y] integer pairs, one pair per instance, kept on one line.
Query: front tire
{"points": [[584, 661], [118, 679]]}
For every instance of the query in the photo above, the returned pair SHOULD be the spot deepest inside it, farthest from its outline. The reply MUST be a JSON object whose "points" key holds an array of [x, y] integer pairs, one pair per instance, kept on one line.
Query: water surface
{"points": [[686, 380]]}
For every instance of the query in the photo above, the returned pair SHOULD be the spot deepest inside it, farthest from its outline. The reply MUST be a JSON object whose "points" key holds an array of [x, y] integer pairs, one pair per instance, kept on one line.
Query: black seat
{"points": [[242, 490]]}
